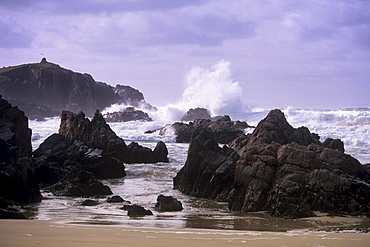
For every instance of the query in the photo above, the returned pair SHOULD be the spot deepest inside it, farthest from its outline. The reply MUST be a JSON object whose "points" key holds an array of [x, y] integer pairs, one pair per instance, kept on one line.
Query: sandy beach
{"points": [[60, 233]]}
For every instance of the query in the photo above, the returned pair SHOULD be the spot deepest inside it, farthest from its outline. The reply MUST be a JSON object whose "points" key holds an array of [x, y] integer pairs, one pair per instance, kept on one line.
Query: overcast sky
{"points": [[281, 52]]}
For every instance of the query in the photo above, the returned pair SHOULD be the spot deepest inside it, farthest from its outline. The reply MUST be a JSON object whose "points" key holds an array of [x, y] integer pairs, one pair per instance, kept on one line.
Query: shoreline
{"points": [[60, 232]]}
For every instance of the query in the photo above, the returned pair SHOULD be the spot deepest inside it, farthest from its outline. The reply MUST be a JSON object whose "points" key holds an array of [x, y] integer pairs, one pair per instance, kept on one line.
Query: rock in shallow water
{"points": [[279, 169]]}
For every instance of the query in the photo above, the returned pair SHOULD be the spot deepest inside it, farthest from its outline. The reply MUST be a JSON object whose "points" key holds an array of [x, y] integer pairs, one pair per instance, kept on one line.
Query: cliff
{"points": [[45, 89]]}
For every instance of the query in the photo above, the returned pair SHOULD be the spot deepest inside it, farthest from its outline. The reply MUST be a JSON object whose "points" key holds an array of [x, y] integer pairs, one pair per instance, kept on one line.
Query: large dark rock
{"points": [[209, 170], [45, 89], [130, 114], [286, 172], [168, 204]]}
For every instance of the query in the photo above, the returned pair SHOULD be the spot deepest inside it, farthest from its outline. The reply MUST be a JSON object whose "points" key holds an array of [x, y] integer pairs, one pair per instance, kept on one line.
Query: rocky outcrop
{"points": [[286, 172], [196, 113], [45, 89], [97, 134], [209, 170], [224, 129], [168, 204], [130, 114]]}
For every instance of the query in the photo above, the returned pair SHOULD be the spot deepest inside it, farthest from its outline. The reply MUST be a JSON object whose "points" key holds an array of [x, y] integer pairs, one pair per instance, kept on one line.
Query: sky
{"points": [[276, 53]]}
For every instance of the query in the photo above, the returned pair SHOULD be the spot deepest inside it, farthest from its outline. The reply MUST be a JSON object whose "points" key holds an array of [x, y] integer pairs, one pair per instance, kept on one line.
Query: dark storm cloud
{"points": [[13, 35]]}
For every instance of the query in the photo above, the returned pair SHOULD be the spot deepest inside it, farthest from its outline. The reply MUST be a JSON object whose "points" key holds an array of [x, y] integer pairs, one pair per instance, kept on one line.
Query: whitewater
{"points": [[144, 182]]}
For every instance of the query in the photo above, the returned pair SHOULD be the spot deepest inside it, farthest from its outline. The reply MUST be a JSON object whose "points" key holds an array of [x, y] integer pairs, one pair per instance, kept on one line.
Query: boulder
{"points": [[282, 170], [78, 182], [136, 211], [130, 114], [168, 204]]}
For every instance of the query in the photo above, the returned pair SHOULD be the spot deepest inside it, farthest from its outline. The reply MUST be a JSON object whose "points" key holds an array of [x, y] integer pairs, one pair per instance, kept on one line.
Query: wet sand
{"points": [[60, 233]]}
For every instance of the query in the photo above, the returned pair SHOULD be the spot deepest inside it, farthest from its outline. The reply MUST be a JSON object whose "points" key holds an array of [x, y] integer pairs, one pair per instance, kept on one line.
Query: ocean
{"points": [[144, 182]]}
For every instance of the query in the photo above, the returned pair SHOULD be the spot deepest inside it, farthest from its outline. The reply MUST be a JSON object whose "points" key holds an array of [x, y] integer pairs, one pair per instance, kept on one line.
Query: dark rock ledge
{"points": [[282, 170]]}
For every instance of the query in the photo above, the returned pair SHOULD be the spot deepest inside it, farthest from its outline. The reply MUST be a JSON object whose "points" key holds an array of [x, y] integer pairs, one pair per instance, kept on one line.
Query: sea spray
{"points": [[213, 89]]}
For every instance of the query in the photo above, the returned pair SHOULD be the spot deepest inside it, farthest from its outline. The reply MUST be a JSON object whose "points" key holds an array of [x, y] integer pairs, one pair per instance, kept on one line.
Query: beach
{"points": [[61, 233]]}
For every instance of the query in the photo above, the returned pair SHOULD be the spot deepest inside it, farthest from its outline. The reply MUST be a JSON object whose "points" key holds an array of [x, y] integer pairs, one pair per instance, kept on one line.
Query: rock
{"points": [[209, 170], [168, 204], [117, 199], [130, 114], [90, 203], [282, 170], [136, 211], [160, 153], [224, 130], [78, 182], [334, 144], [197, 113]]}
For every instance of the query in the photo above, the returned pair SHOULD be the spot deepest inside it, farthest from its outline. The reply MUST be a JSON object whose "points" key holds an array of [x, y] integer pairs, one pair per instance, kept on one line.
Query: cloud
{"points": [[13, 34]]}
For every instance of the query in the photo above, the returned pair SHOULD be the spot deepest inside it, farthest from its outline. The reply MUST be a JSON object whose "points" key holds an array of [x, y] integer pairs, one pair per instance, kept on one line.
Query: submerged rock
{"points": [[136, 211], [282, 170], [130, 114]]}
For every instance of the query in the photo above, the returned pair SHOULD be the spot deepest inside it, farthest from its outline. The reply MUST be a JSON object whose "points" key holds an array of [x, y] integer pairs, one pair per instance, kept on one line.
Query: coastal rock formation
{"points": [[45, 89], [91, 150], [130, 114], [17, 178], [168, 204], [209, 170], [284, 171], [224, 129]]}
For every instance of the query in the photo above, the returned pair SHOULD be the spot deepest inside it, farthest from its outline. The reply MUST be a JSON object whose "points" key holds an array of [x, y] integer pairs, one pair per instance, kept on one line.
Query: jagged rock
{"points": [[209, 170], [130, 114], [284, 171], [136, 211], [224, 130], [197, 113], [168, 204], [160, 152], [45, 89], [334, 144]]}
